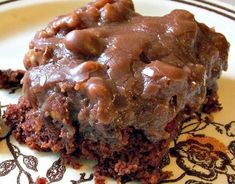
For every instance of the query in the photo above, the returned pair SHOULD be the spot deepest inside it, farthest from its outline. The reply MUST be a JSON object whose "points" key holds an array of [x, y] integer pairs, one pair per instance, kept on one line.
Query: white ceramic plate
{"points": [[205, 152]]}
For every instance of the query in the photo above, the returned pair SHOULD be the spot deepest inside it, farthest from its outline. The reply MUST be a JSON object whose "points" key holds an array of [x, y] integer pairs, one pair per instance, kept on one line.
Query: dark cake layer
{"points": [[108, 84], [10, 78], [137, 158]]}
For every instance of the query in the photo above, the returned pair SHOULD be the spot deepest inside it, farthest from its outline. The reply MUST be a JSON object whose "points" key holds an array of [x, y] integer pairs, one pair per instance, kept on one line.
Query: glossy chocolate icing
{"points": [[111, 68]]}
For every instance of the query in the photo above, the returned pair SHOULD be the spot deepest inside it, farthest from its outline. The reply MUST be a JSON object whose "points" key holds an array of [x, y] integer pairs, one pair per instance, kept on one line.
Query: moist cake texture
{"points": [[108, 84], [10, 78]]}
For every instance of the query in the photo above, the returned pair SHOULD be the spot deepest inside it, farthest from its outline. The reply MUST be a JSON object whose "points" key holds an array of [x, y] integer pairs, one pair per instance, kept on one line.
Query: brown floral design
{"points": [[230, 129], [54, 174], [195, 182], [200, 160]]}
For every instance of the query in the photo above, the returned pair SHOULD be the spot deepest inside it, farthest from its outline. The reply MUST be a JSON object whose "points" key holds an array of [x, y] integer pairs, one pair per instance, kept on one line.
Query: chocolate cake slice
{"points": [[108, 84]]}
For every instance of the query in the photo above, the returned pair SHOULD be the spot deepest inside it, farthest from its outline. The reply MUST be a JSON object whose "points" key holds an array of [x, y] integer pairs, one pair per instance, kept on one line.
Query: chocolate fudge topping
{"points": [[109, 68]]}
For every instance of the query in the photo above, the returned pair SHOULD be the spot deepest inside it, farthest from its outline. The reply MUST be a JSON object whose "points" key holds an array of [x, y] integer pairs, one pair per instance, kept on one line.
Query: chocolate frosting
{"points": [[114, 69]]}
